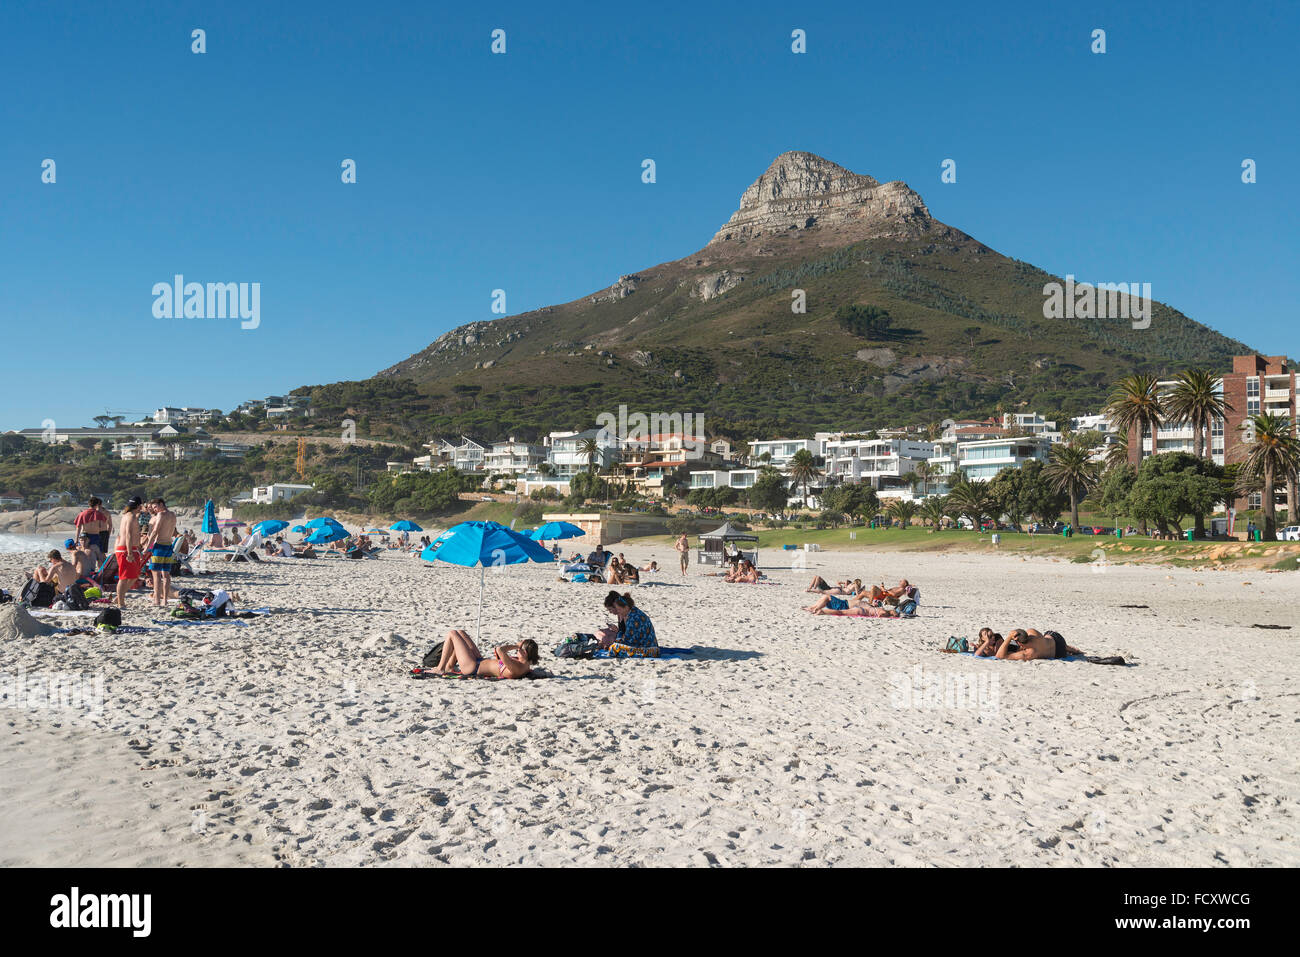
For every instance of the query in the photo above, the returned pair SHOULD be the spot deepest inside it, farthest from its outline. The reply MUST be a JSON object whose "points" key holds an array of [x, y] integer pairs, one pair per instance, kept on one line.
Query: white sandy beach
{"points": [[785, 739]]}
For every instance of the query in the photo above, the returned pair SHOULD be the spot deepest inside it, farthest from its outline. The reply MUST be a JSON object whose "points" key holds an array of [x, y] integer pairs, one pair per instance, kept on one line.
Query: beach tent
{"points": [[715, 541], [483, 544]]}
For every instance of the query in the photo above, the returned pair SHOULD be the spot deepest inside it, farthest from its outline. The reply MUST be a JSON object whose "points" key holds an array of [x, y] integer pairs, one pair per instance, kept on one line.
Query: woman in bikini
{"points": [[853, 610], [507, 661], [821, 586]]}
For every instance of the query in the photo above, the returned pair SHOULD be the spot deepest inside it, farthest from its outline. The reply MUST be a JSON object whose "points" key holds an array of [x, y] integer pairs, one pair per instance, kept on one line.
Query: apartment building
{"points": [[883, 463], [513, 457]]}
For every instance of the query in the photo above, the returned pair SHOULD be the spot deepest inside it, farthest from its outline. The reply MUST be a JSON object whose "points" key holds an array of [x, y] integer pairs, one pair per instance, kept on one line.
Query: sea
{"points": [[29, 543]]}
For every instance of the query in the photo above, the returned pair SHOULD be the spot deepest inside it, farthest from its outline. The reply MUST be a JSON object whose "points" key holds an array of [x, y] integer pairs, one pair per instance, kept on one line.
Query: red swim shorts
{"points": [[128, 570]]}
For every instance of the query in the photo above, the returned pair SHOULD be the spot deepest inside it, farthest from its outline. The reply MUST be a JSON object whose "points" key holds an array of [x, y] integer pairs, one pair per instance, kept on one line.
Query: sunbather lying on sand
{"points": [[878, 593], [823, 587], [1024, 645], [508, 661], [853, 610]]}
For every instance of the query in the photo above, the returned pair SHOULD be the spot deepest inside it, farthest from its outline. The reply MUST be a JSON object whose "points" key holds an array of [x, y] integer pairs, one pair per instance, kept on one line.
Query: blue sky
{"points": [[523, 171]]}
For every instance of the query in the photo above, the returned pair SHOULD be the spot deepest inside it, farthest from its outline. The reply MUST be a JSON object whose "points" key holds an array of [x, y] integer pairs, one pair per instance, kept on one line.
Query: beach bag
{"points": [[957, 645], [74, 598], [433, 657], [579, 645], [38, 594], [112, 617], [908, 608], [5, 597]]}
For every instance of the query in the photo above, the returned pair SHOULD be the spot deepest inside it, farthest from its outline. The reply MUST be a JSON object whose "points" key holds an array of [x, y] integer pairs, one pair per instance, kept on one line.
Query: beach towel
{"points": [[670, 653], [1090, 659], [532, 675]]}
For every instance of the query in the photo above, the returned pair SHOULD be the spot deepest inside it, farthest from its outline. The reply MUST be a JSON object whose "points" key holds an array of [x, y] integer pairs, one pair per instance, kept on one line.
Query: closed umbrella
{"points": [[210, 525], [483, 544]]}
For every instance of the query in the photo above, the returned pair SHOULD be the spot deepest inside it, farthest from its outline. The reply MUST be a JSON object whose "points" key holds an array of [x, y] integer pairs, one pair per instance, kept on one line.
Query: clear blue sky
{"points": [[522, 171]]}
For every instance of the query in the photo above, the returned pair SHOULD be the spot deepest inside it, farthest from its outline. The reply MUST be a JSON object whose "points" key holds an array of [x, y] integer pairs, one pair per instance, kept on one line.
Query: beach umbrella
{"points": [[323, 521], [405, 526], [272, 526], [553, 530], [323, 536], [229, 523], [483, 544], [209, 519], [300, 529]]}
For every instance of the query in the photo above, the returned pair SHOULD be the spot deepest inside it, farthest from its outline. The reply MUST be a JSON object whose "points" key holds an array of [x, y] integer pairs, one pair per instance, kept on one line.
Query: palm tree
{"points": [[803, 469], [591, 449], [1197, 398], [1136, 405], [902, 511], [1072, 471], [933, 509], [970, 497], [1272, 453], [1117, 452], [924, 472]]}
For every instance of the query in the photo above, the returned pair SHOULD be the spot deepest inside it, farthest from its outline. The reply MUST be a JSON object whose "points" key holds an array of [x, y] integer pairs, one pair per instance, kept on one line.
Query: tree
{"points": [[590, 448], [970, 497], [853, 499], [1007, 489], [1272, 455], [1197, 399], [933, 510], [924, 472], [970, 332], [902, 511], [102, 421], [869, 322], [769, 493], [1114, 490], [803, 470], [1117, 451], [1136, 405], [1169, 486], [1072, 471]]}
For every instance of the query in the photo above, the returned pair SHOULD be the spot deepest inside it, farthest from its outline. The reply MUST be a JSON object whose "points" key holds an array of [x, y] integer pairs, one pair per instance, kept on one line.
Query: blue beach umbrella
{"points": [[323, 536], [300, 529], [272, 526], [323, 521], [209, 519], [483, 544], [405, 526], [553, 530]]}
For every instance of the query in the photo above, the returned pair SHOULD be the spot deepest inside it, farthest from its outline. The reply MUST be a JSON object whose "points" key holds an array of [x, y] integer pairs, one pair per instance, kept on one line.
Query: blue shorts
{"points": [[837, 604]]}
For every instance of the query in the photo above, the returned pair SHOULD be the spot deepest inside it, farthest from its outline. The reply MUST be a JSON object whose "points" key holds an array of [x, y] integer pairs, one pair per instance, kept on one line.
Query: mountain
{"points": [[715, 331]]}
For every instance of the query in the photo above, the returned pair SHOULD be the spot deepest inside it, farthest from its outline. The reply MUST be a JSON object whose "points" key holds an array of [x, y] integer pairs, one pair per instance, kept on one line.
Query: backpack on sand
{"points": [[38, 594], [579, 645], [75, 598]]}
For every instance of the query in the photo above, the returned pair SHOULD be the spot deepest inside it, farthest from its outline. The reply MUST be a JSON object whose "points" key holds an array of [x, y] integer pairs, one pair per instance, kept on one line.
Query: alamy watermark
{"points": [[179, 299], [657, 427], [55, 691], [1103, 300], [929, 690]]}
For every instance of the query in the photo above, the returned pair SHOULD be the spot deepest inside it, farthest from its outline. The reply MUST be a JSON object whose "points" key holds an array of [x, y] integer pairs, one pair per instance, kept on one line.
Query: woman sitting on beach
{"points": [[744, 573], [507, 661], [635, 635], [651, 566], [1025, 644]]}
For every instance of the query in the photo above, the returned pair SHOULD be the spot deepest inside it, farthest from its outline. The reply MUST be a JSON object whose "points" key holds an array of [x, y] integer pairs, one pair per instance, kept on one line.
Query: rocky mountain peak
{"points": [[803, 190]]}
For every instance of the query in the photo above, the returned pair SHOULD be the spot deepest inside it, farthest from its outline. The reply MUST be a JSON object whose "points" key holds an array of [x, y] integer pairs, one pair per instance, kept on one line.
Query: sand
{"points": [[784, 740]]}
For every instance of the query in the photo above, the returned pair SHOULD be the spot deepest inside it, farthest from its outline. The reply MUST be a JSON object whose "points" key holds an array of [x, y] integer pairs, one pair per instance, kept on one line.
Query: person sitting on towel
{"points": [[508, 661], [743, 573], [1031, 644], [635, 635]]}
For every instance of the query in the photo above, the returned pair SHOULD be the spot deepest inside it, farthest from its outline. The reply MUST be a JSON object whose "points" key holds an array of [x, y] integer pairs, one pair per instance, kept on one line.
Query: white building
{"points": [[513, 457], [884, 464], [781, 451], [278, 492], [982, 460], [739, 479], [1031, 423], [565, 451]]}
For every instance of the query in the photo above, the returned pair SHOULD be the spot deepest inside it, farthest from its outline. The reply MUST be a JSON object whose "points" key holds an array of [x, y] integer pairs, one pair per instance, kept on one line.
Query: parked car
{"points": [[1289, 534]]}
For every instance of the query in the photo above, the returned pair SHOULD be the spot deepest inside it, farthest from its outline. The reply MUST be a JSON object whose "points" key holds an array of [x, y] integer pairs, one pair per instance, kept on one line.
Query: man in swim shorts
{"points": [[127, 551], [162, 532], [1035, 644]]}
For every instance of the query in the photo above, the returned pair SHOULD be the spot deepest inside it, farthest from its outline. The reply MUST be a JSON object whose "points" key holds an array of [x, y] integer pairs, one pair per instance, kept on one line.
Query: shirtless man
{"points": [[127, 550], [880, 592], [59, 573], [1035, 644], [94, 521], [162, 531], [684, 550], [80, 557]]}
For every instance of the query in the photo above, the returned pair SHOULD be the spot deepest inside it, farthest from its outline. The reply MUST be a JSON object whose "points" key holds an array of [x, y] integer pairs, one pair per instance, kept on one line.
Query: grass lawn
{"points": [[1080, 548]]}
